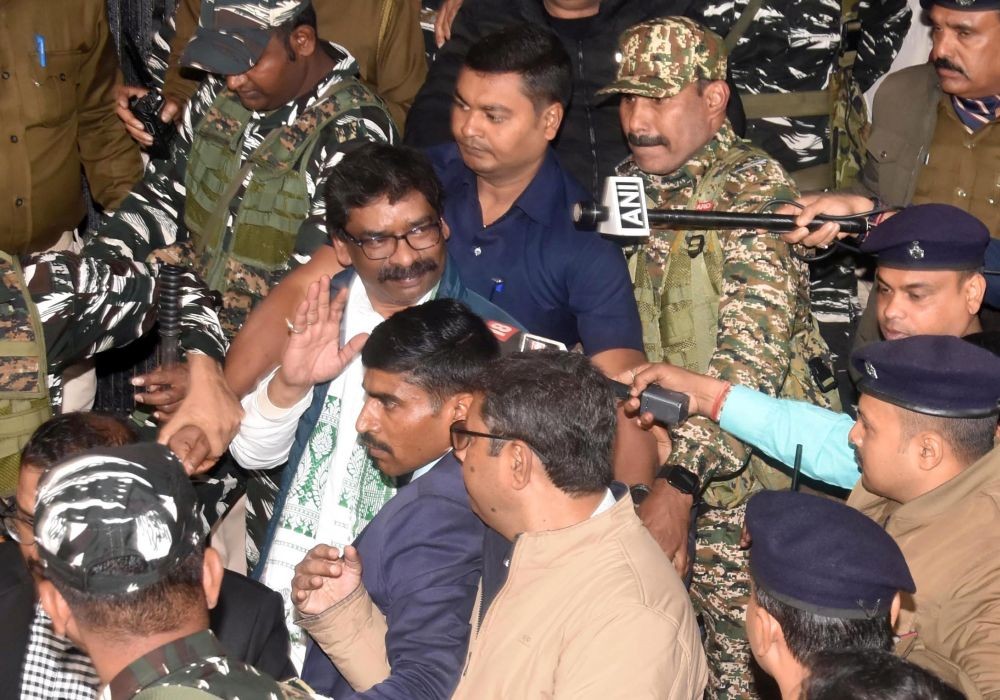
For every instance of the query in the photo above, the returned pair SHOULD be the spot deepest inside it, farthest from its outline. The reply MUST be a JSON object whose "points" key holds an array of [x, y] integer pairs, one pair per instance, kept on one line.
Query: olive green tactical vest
{"points": [[276, 200], [24, 394], [680, 324], [680, 321]]}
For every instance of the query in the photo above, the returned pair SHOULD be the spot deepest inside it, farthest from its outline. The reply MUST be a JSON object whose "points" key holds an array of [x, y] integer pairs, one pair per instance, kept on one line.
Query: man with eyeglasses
{"points": [[384, 209], [577, 600]]}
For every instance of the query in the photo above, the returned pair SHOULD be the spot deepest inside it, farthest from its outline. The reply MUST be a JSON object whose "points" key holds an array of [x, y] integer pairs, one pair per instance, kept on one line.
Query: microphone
{"points": [[622, 213], [668, 407]]}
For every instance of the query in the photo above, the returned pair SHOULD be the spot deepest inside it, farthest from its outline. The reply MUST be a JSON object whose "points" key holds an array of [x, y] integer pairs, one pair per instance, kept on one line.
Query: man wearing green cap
{"points": [[733, 304], [241, 196]]}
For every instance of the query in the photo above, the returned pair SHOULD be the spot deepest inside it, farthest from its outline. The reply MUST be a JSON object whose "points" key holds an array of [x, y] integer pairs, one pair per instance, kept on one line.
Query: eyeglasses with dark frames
{"points": [[381, 247], [461, 436], [11, 515]]}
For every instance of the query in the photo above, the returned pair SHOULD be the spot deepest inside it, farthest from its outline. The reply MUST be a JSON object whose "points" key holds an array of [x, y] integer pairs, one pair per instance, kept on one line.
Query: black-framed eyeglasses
{"points": [[462, 436], [419, 237], [11, 516]]}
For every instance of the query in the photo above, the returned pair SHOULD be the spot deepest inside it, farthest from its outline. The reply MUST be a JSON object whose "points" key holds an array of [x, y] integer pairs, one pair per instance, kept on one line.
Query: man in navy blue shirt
{"points": [[419, 560], [509, 201]]}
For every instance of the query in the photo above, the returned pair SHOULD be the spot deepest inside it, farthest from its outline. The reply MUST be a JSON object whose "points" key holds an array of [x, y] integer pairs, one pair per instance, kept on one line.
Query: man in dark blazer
{"points": [[248, 619], [422, 552]]}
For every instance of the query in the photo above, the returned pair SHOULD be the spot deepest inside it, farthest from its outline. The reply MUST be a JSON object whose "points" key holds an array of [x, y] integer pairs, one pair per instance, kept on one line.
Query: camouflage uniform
{"points": [[793, 47], [151, 218], [136, 504], [197, 661], [60, 308], [764, 335]]}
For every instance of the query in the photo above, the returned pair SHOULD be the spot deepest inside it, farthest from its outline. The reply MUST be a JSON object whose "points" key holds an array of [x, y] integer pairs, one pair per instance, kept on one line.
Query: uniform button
{"points": [[477, 251], [991, 200], [960, 192], [970, 145], [18, 202], [5, 75], [13, 138], [62, 76], [883, 154]]}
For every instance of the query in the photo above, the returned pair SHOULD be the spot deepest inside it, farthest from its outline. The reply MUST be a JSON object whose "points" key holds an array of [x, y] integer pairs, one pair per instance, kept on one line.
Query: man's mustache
{"points": [[392, 273], [945, 64], [643, 141], [368, 441]]}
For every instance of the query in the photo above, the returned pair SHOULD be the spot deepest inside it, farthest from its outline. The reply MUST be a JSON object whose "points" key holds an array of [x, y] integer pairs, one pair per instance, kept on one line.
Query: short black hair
{"points": [[535, 54], [161, 607], [970, 438], [68, 434], [375, 170], [440, 345], [562, 407], [807, 633], [867, 674]]}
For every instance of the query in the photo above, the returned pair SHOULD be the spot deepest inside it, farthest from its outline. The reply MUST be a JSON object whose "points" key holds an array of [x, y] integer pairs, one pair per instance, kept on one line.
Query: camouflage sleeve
{"points": [[354, 129], [152, 215], [762, 288], [884, 24], [88, 305]]}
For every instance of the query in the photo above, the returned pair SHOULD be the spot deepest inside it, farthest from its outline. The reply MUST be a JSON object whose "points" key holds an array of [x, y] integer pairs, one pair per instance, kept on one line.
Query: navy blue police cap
{"points": [[964, 5], [824, 557], [929, 237], [940, 375]]}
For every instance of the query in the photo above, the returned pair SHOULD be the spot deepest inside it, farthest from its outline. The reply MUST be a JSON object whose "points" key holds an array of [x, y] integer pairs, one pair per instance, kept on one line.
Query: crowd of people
{"points": [[400, 434]]}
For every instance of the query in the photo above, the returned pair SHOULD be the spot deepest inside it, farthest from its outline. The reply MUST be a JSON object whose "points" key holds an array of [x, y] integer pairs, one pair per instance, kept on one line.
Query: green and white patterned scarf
{"points": [[337, 489]]}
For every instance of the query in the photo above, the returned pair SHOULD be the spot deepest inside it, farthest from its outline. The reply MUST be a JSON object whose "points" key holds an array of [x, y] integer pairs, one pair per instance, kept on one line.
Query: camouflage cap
{"points": [[963, 5], [111, 503], [232, 34], [660, 57]]}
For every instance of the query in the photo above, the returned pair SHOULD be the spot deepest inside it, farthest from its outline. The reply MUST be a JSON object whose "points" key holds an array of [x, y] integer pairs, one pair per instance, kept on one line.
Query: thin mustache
{"points": [[370, 442]]}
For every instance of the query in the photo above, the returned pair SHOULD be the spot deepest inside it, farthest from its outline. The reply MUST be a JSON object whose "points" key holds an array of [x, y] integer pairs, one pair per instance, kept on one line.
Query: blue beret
{"points": [[939, 375], [966, 5], [929, 237], [824, 557]]}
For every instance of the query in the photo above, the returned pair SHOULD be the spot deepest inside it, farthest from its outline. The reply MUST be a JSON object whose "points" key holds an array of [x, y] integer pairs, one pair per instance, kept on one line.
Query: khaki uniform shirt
{"points": [[950, 538], [56, 117]]}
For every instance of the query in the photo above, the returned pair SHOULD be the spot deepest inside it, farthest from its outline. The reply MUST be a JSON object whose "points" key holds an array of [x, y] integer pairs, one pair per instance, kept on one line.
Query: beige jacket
{"points": [[592, 611], [951, 540], [595, 610]]}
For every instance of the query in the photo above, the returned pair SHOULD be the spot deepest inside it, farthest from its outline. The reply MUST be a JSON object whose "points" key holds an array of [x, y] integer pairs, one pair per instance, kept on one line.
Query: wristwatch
{"points": [[639, 493], [684, 480]]}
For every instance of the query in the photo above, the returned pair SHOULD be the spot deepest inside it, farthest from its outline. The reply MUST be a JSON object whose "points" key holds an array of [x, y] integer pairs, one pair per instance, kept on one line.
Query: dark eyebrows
{"points": [[495, 109], [382, 397], [410, 225]]}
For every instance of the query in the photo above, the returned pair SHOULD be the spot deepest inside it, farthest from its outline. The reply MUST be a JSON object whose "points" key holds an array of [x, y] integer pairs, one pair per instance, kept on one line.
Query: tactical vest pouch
{"points": [[24, 395], [276, 200], [692, 289]]}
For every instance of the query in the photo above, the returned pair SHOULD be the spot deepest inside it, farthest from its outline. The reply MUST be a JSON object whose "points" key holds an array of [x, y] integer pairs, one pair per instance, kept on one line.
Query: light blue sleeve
{"points": [[776, 426]]}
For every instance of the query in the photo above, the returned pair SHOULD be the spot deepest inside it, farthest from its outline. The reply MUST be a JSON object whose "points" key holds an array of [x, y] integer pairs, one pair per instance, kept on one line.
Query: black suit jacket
{"points": [[249, 620]]}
